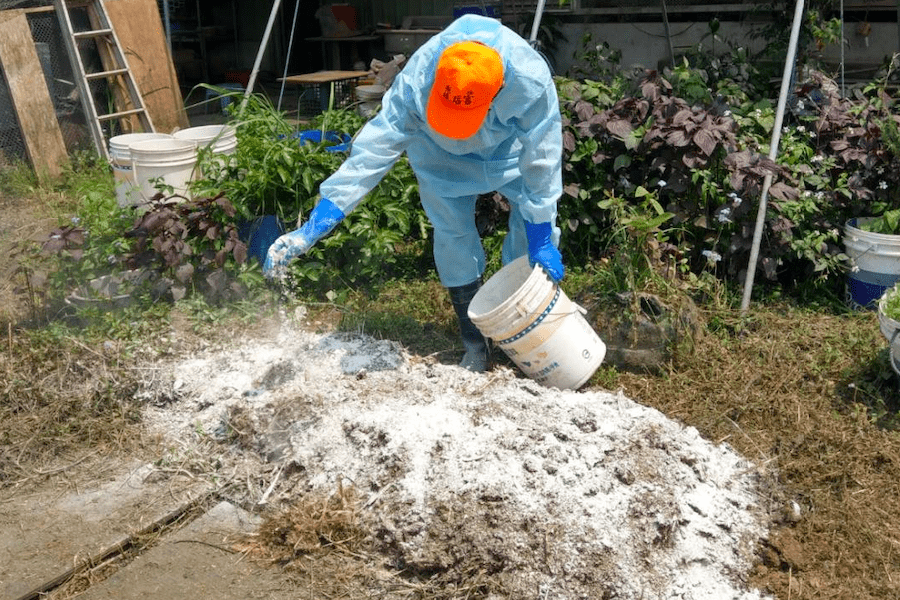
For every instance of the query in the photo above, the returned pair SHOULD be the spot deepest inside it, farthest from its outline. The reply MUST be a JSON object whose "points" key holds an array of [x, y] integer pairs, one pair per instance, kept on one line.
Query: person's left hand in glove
{"points": [[323, 218], [542, 251]]}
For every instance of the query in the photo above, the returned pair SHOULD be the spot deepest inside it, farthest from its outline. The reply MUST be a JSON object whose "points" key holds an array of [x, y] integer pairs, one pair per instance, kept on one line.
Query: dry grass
{"points": [[796, 392], [323, 543], [314, 526], [61, 401]]}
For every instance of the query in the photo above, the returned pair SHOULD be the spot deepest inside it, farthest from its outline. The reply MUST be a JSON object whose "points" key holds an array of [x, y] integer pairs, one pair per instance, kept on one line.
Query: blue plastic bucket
{"points": [[259, 235], [340, 142]]}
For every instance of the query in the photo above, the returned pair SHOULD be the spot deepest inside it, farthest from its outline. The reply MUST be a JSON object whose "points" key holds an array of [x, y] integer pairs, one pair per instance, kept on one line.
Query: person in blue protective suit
{"points": [[475, 109]]}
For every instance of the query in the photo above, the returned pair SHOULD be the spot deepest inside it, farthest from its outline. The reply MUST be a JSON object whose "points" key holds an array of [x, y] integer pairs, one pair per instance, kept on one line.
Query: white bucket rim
{"points": [[206, 133], [851, 230], [871, 247], [168, 145], [504, 318], [120, 145]]}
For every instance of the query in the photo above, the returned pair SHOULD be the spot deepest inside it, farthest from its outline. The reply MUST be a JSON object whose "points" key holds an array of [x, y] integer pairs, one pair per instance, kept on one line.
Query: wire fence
{"points": [[61, 86]]}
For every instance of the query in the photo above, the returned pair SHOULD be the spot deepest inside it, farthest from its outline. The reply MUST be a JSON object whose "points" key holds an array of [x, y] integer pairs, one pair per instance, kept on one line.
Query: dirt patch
{"points": [[548, 493]]}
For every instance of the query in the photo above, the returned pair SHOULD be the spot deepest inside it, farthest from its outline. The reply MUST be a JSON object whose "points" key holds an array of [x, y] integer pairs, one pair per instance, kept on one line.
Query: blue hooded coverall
{"points": [[517, 151]]}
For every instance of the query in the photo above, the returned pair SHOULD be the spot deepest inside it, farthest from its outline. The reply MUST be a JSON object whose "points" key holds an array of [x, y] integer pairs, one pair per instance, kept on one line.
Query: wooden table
{"points": [[322, 82]]}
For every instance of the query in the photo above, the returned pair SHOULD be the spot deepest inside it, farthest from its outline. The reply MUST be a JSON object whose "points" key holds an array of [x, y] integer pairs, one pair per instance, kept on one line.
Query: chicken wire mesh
{"points": [[58, 76]]}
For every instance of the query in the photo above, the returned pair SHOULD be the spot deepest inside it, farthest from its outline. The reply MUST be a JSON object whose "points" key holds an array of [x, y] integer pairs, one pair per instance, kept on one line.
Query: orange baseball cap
{"points": [[468, 76]]}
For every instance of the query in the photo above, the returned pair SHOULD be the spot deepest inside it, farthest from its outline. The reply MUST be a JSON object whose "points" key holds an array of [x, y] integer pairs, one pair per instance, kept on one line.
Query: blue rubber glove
{"points": [[323, 218], [541, 250]]}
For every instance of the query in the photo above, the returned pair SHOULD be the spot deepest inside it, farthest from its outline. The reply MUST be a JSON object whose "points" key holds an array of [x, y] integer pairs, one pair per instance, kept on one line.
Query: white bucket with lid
{"points": [[127, 193], [533, 321], [171, 161], [221, 139]]}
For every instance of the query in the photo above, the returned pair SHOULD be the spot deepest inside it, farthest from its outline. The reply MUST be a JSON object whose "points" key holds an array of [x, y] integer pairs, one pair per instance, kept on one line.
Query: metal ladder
{"points": [[127, 100]]}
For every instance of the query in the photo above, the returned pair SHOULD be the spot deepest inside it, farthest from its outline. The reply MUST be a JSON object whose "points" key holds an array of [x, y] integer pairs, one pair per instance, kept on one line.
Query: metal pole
{"points": [[538, 13], [665, 14], [262, 51], [843, 77], [287, 61], [167, 17], [786, 79]]}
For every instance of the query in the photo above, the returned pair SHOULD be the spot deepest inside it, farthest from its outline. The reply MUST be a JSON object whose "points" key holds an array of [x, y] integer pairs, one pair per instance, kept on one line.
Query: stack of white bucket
{"points": [[141, 160]]}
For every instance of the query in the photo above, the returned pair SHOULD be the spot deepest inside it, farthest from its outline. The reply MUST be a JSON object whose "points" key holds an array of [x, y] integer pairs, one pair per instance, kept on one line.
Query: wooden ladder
{"points": [[129, 105]]}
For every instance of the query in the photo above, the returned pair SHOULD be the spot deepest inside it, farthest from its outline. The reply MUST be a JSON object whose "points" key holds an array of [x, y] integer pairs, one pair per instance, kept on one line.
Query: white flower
{"points": [[801, 129], [800, 106], [661, 183], [785, 130], [735, 199], [727, 113], [712, 256], [76, 220], [817, 158], [723, 215], [880, 170], [882, 185]]}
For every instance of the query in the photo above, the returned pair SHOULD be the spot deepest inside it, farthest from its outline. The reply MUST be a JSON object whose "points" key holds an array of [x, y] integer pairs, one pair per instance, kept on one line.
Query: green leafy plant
{"points": [[704, 129], [367, 245], [639, 242], [888, 223], [270, 172], [890, 303]]}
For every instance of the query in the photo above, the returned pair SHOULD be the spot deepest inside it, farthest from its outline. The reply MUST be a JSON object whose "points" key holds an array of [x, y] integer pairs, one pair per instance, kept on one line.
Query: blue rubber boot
{"points": [[477, 357]]}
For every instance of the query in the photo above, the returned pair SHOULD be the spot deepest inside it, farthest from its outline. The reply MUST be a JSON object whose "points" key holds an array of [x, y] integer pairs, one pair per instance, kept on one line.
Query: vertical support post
{"points": [[786, 80]]}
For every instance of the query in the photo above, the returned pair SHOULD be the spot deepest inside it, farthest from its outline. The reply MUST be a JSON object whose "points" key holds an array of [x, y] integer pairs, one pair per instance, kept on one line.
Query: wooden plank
{"points": [[325, 76], [139, 28], [34, 109]]}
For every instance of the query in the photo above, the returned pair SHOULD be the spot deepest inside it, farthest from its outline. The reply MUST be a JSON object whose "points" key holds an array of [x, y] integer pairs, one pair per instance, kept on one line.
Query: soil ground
{"points": [[220, 490]]}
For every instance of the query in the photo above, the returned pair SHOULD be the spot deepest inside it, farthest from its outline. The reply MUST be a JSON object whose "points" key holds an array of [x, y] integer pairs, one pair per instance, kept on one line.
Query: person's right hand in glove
{"points": [[323, 218]]}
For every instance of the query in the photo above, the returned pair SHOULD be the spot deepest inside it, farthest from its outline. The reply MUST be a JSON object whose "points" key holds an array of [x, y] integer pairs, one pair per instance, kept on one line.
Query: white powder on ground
{"points": [[559, 494]]}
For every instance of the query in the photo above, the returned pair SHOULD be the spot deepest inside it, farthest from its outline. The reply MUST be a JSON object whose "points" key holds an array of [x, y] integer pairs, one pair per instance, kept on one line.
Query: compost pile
{"points": [[554, 494]]}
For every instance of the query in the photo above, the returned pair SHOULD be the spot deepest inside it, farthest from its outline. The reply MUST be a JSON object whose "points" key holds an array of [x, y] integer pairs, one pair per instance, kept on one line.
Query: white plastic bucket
{"points": [[369, 97], [127, 193], [170, 160], [221, 139], [533, 321], [874, 262]]}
